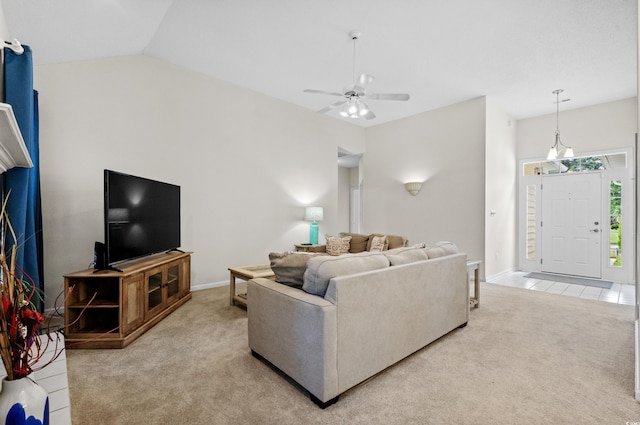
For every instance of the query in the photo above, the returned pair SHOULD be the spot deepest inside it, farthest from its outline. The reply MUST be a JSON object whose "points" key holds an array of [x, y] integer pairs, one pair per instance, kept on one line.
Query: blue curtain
{"points": [[23, 184]]}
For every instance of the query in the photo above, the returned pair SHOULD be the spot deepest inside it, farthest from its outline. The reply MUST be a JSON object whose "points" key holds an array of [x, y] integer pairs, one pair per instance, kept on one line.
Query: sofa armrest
{"points": [[296, 332]]}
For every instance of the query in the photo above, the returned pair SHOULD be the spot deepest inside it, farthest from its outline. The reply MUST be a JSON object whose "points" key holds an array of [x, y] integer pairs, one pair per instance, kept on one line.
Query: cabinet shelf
{"points": [[98, 330], [96, 303], [110, 309]]}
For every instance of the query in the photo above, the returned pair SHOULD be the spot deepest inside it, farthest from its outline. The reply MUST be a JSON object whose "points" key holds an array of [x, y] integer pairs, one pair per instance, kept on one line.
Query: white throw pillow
{"points": [[337, 245]]}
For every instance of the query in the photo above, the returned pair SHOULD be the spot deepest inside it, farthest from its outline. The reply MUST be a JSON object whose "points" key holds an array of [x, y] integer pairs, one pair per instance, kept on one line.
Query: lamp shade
{"points": [[313, 214]]}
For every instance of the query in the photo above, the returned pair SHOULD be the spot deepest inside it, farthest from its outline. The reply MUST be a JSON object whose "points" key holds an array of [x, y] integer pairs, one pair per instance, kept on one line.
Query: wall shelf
{"points": [[13, 151]]}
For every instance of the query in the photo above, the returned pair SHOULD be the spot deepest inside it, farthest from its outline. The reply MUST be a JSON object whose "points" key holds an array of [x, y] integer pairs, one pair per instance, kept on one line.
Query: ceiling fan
{"points": [[353, 105]]}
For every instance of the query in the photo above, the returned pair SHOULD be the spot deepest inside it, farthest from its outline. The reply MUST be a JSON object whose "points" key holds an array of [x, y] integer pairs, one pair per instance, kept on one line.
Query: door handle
{"points": [[595, 230]]}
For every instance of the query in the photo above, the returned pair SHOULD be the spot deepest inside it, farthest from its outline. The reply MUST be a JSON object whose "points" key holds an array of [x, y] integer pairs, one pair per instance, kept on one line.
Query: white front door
{"points": [[572, 224]]}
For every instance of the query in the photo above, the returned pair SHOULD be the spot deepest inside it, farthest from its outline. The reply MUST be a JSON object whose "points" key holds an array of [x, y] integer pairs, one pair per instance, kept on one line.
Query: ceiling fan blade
{"points": [[365, 79], [330, 107], [388, 96], [323, 92]]}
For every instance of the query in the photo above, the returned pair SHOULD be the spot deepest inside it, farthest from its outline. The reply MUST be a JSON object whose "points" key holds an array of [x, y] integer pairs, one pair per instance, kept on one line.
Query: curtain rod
{"points": [[15, 46]]}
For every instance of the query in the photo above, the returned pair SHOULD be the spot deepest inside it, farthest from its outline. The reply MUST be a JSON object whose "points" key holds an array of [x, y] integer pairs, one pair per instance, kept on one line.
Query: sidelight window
{"points": [[615, 223]]}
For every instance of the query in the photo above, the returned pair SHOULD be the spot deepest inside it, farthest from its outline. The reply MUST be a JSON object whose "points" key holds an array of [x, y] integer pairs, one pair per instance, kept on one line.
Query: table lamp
{"points": [[313, 214]]}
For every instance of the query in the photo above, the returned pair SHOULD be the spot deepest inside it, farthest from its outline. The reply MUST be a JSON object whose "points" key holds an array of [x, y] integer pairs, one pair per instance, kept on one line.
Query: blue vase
{"points": [[23, 402], [313, 233]]}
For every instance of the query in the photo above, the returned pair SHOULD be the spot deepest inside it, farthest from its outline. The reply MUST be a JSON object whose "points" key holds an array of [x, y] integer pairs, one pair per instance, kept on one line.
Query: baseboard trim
{"points": [[202, 286], [498, 275]]}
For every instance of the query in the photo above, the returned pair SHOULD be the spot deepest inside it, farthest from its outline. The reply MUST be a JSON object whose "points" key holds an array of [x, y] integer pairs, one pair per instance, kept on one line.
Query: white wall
{"points": [[344, 195], [4, 33], [243, 161], [501, 192], [246, 163], [590, 129], [4, 30], [445, 148], [637, 226]]}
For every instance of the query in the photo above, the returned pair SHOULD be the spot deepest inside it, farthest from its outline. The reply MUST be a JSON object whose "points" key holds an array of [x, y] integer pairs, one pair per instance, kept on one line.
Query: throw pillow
{"points": [[396, 241], [321, 269], [358, 242], [289, 267], [337, 245], [378, 243], [371, 236]]}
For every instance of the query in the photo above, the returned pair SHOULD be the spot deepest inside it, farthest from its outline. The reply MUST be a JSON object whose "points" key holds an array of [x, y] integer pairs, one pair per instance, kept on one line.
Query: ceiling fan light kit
{"points": [[355, 108], [353, 105]]}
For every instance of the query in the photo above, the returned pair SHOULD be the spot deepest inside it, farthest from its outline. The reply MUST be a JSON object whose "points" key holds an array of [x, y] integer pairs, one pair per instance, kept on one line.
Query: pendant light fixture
{"points": [[559, 149]]}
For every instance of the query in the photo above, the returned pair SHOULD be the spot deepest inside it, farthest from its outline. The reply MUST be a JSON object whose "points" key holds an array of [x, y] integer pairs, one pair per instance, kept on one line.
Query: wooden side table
{"points": [[310, 248], [474, 265], [246, 273]]}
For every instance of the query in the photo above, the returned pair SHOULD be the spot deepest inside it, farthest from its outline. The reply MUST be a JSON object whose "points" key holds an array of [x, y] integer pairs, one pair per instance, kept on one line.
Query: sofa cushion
{"points": [[358, 242], [322, 268], [440, 249], [289, 267], [405, 256], [337, 245]]}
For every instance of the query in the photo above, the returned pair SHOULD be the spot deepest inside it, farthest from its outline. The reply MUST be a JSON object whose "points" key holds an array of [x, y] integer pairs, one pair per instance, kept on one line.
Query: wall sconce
{"points": [[313, 214], [413, 187]]}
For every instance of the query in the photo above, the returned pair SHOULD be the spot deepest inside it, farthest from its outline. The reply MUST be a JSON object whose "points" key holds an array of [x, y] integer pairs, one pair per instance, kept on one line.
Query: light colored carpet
{"points": [[525, 358]]}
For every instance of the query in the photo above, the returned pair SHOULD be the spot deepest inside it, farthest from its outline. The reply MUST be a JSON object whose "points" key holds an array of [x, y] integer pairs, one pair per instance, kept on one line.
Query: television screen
{"points": [[141, 216]]}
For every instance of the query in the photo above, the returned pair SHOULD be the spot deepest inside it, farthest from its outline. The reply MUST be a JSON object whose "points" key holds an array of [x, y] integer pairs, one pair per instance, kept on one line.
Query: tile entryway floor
{"points": [[619, 293]]}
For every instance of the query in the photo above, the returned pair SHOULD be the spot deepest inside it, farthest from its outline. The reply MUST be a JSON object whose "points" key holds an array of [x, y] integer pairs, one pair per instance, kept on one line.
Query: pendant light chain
{"points": [[558, 111]]}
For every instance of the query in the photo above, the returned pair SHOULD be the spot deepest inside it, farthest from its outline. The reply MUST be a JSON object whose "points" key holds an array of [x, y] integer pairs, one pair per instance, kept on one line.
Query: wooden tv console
{"points": [[125, 304]]}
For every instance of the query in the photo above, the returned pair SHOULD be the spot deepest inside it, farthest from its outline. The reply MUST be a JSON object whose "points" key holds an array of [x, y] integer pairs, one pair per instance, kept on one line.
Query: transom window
{"points": [[576, 165]]}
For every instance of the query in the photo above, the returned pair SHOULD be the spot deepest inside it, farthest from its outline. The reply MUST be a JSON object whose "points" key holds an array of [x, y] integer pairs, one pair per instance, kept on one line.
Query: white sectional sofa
{"points": [[356, 315]]}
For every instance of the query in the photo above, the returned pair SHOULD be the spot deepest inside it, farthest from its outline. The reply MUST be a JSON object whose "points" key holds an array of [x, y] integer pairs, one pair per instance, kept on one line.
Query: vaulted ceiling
{"points": [[441, 52]]}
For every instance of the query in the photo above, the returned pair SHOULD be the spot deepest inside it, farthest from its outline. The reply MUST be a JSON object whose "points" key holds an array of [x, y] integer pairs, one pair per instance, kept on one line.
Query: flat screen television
{"points": [[141, 217]]}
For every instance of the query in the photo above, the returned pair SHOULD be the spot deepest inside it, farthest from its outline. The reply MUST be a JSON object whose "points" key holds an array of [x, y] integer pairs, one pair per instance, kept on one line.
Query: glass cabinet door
{"points": [[173, 280], [154, 296]]}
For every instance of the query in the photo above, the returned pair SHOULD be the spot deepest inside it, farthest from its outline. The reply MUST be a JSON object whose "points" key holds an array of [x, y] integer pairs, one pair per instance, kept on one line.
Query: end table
{"points": [[310, 248], [474, 265], [246, 273]]}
